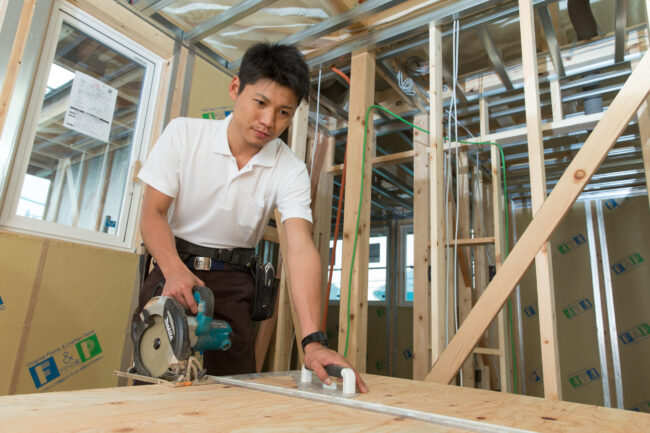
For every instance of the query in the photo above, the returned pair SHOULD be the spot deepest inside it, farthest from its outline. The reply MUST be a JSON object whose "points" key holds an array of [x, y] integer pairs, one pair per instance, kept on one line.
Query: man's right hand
{"points": [[179, 284]]}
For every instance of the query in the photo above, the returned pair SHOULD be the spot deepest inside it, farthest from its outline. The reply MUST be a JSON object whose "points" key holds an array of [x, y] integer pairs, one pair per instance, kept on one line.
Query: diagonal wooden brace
{"points": [[565, 193]]}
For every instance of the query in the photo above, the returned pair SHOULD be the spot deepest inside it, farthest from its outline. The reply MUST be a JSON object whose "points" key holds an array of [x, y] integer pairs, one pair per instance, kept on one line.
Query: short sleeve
{"points": [[294, 195], [162, 168]]}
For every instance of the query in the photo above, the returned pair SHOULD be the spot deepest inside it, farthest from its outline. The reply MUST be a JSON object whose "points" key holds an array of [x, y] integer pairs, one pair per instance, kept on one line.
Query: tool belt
{"points": [[201, 258]]}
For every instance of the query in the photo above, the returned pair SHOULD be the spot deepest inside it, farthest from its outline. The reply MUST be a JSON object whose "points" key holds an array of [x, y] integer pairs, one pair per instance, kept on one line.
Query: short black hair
{"points": [[276, 62]]}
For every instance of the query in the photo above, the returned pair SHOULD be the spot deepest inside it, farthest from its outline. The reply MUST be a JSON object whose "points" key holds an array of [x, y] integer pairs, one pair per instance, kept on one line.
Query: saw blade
{"points": [[155, 348]]}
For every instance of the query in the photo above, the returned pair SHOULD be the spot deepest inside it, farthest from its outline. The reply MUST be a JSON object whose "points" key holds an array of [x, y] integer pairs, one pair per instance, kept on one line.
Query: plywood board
{"points": [[229, 408], [628, 247], [209, 96], [72, 313], [18, 264]]}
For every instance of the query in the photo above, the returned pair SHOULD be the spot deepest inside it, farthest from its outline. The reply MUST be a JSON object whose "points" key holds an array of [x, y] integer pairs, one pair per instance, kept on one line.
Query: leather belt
{"points": [[235, 256]]}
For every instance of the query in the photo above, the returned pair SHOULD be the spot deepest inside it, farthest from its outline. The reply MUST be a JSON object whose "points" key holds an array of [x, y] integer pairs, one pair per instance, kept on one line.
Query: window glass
{"points": [[84, 129], [78, 168], [408, 267], [377, 265]]}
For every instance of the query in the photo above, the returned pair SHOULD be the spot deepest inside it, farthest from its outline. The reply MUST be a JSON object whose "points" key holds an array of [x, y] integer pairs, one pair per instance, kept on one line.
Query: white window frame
{"points": [[124, 238], [401, 264], [379, 231]]}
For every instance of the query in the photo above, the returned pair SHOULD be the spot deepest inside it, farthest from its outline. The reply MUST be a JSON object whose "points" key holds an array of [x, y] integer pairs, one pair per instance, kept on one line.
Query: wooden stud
{"points": [[564, 126], [556, 100], [15, 59], [356, 295], [284, 326], [322, 209], [471, 242], [499, 253], [643, 116], [487, 351], [287, 303], [543, 262], [436, 158], [380, 161], [565, 193], [179, 81], [129, 24], [464, 285], [421, 236], [298, 131]]}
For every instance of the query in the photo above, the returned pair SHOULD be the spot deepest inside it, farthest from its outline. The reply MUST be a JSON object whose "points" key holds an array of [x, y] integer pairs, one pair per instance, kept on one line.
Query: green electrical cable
{"points": [[356, 231]]}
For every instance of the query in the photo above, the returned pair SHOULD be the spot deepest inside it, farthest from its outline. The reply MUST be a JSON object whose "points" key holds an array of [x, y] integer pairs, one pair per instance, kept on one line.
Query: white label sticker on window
{"points": [[91, 108]]}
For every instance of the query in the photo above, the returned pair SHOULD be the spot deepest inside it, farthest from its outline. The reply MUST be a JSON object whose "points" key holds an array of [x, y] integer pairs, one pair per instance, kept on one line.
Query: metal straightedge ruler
{"points": [[316, 393]]}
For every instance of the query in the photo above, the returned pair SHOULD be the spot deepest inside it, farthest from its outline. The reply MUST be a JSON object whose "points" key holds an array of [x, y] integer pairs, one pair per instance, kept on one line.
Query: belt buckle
{"points": [[202, 263]]}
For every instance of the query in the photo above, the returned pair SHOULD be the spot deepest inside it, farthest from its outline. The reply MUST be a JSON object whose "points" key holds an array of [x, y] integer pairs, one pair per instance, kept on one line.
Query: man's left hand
{"points": [[318, 356]]}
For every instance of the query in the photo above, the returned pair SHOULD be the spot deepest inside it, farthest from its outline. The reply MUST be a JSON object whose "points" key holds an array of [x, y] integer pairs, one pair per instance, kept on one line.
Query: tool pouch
{"points": [[265, 290]]}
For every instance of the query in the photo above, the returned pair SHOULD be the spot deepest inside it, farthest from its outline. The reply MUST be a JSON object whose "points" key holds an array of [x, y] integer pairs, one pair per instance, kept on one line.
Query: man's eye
{"points": [[259, 102]]}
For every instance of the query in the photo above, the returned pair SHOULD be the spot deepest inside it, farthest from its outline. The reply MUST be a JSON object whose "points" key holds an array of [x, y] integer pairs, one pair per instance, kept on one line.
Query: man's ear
{"points": [[233, 87]]}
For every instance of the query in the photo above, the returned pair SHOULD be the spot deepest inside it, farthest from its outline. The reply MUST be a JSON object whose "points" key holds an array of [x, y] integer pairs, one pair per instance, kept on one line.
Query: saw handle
{"points": [[205, 295]]}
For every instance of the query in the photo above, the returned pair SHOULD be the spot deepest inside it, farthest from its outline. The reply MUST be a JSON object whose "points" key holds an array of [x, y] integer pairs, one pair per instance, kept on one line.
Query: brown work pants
{"points": [[233, 294]]}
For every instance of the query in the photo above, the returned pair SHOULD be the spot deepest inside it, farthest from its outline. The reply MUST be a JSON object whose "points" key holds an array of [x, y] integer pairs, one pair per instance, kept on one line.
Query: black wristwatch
{"points": [[315, 337]]}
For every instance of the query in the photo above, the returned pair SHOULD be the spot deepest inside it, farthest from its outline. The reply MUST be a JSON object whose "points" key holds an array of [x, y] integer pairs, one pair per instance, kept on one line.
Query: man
{"points": [[225, 178]]}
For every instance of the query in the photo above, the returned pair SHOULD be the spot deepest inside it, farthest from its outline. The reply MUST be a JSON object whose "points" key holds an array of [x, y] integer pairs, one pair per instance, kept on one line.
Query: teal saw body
{"points": [[166, 337]]}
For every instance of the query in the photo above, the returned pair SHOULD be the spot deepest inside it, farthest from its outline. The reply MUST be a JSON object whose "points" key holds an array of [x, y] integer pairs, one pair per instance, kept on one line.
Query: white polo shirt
{"points": [[216, 204]]}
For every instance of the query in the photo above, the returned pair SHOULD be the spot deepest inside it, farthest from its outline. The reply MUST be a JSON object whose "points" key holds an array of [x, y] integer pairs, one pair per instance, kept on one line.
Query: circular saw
{"points": [[166, 338]]}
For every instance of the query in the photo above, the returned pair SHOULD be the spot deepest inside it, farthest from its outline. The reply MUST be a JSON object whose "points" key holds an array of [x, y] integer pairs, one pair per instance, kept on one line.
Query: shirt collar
{"points": [[265, 157]]}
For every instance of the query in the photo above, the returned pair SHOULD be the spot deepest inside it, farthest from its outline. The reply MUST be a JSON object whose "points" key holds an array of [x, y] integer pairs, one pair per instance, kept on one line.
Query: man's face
{"points": [[262, 111]]}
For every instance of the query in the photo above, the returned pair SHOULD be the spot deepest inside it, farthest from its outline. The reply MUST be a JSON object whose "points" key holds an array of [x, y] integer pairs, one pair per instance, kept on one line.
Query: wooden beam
{"points": [[644, 128], [322, 210], [355, 295], [421, 236], [578, 123], [286, 277], [471, 241], [380, 161], [436, 157], [129, 24], [464, 285], [556, 100], [179, 81], [543, 262], [565, 193], [271, 234], [643, 116], [498, 207], [15, 59], [298, 131], [487, 351]]}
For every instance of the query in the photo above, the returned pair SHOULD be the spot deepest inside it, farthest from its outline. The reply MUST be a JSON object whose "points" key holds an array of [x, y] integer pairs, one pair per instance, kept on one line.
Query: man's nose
{"points": [[267, 118]]}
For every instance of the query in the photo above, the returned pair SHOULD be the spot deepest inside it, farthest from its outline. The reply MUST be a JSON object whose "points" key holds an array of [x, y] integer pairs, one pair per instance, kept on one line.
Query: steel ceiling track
{"points": [[398, 32], [494, 56], [621, 23], [334, 23], [551, 39], [225, 19]]}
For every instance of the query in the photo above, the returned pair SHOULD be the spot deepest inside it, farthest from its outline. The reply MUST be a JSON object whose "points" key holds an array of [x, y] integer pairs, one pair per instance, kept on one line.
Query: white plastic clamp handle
{"points": [[347, 374]]}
